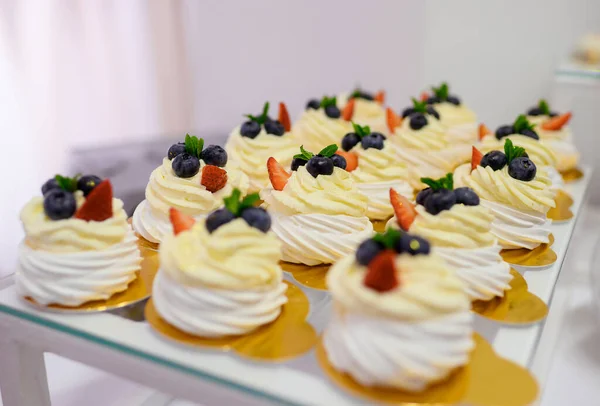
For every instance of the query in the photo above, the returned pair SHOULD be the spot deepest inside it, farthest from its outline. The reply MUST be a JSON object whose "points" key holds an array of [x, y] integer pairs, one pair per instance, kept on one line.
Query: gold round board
{"points": [[289, 336], [541, 256], [562, 211], [487, 380], [572, 175], [310, 276]]}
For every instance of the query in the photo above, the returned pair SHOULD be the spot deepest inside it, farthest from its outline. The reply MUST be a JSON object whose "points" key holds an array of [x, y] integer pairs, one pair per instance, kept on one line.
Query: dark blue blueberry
{"points": [[373, 140], [332, 111], [297, 163], [423, 195], [175, 150], [378, 135], [214, 155], [274, 127], [87, 183], [466, 196], [439, 201], [522, 168], [407, 112], [59, 204], [363, 95], [433, 112], [366, 251], [454, 100], [217, 218], [313, 104], [494, 159], [529, 133], [535, 111], [250, 129], [257, 217], [553, 114], [417, 121], [433, 100], [319, 165], [411, 244], [50, 184], [339, 161], [185, 165], [349, 141], [504, 131]]}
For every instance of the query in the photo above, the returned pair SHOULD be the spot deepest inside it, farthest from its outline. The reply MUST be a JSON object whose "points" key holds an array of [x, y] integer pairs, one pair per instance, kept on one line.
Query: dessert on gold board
{"points": [[369, 108]]}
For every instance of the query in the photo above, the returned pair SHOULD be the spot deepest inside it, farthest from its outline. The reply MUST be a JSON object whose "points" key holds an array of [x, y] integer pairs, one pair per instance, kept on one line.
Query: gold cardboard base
{"points": [[287, 337], [379, 225], [309, 276], [572, 175], [517, 306], [562, 212], [487, 380], [540, 256]]}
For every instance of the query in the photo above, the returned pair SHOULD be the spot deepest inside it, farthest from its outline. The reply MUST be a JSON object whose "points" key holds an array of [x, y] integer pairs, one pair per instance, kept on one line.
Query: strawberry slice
{"points": [[98, 204], [403, 209], [348, 110], [180, 221], [476, 156], [213, 178], [351, 159], [284, 117], [483, 131], [556, 123], [380, 97], [393, 119], [277, 174], [424, 96], [381, 272]]}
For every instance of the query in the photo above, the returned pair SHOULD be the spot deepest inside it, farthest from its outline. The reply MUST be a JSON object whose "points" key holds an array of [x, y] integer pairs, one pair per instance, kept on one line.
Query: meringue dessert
{"points": [[423, 143], [192, 179], [515, 191], [459, 229], [553, 130], [323, 123], [78, 246], [375, 168], [368, 108], [401, 319], [252, 143], [460, 121], [220, 276], [318, 212]]}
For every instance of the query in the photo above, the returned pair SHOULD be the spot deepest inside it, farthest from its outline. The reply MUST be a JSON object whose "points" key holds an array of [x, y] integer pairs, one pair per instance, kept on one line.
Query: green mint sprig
{"points": [[441, 92], [447, 182], [194, 145], [304, 154], [66, 183], [361, 131], [419, 106], [544, 107], [236, 206], [357, 93], [512, 151], [328, 101], [521, 123], [263, 117], [327, 152], [389, 238]]}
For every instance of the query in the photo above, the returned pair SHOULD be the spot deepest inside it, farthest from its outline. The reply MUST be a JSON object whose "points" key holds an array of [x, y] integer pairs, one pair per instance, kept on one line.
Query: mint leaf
{"points": [[328, 101], [419, 106], [389, 238], [263, 117], [441, 92], [512, 151], [304, 154], [329, 151], [447, 182], [521, 123], [66, 183], [194, 145], [232, 202], [544, 107], [361, 131], [250, 201]]}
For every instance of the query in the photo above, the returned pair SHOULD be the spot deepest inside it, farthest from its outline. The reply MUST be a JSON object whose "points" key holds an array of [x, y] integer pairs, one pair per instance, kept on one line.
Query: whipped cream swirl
{"points": [[316, 131], [561, 142], [461, 122], [366, 112]]}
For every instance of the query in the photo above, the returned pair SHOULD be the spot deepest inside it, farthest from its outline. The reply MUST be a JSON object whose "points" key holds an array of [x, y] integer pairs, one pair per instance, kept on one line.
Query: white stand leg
{"points": [[23, 379]]}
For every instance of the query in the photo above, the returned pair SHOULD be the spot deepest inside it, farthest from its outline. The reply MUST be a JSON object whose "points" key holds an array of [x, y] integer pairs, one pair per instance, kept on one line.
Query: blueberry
{"points": [[185, 165], [529, 133], [439, 201], [454, 100], [274, 127], [378, 135], [349, 141], [175, 150], [319, 165], [417, 121], [367, 250], [407, 112], [250, 129], [59, 204], [504, 131], [371, 141], [534, 111], [411, 244], [494, 159], [466, 196], [433, 112], [423, 195], [258, 218], [297, 163], [50, 184], [87, 183], [332, 111], [217, 218], [433, 100], [339, 161], [553, 114], [522, 168], [313, 104], [363, 95], [214, 155]]}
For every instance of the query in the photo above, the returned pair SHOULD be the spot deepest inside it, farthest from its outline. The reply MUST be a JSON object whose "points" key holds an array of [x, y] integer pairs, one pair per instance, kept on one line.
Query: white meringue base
{"points": [[558, 182], [379, 197]]}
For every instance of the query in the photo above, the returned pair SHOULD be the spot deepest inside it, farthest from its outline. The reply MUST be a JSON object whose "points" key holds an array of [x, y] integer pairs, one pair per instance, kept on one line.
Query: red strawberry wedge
{"points": [[213, 178], [393, 120], [180, 221], [424, 96], [351, 159], [403, 209], [381, 272], [277, 174], [284, 117], [98, 204], [483, 131], [348, 110], [476, 156], [556, 123], [380, 97]]}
